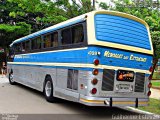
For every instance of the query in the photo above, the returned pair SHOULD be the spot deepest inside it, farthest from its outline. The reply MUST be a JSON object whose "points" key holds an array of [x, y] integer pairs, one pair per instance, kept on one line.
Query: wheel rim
{"points": [[11, 77], [48, 88]]}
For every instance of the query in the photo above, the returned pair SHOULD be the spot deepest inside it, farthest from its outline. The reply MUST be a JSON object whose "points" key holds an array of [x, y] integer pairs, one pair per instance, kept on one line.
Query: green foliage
{"points": [[47, 11], [12, 32], [156, 43], [24, 28], [156, 76], [155, 83], [154, 106], [8, 28]]}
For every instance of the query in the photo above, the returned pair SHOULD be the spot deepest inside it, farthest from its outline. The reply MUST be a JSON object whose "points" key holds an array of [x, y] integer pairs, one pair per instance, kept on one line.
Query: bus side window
{"points": [[11, 52], [77, 34], [55, 39], [23, 46], [27, 46], [17, 47], [39, 41], [47, 41], [66, 36], [33, 44], [36, 43]]}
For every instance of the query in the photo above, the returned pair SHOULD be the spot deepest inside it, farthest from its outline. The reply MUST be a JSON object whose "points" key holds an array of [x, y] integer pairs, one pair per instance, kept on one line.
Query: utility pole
{"points": [[93, 4]]}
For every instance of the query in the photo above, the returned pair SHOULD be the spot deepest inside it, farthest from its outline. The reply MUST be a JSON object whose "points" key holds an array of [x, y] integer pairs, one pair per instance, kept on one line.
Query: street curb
{"points": [[156, 116], [157, 88]]}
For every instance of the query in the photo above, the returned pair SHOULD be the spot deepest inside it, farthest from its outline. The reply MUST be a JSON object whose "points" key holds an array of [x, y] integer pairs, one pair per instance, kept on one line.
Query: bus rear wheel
{"points": [[11, 80], [48, 90]]}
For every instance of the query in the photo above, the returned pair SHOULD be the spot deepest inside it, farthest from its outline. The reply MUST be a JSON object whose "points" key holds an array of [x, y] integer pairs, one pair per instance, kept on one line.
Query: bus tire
{"points": [[11, 80], [48, 90]]}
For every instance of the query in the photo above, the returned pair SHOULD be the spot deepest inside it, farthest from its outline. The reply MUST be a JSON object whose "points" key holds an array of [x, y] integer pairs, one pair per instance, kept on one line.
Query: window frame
{"points": [[60, 46], [75, 45]]}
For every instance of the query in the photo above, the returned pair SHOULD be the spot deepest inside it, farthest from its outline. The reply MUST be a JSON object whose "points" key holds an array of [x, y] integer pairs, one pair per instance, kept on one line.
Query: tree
{"points": [[10, 32], [10, 28], [44, 13]]}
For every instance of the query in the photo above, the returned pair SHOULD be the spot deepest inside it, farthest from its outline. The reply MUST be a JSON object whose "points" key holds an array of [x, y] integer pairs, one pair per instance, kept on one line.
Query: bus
{"points": [[101, 58]]}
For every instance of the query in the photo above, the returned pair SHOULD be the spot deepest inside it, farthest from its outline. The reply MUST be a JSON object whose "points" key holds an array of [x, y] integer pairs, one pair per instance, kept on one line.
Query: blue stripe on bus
{"points": [[83, 56], [121, 30]]}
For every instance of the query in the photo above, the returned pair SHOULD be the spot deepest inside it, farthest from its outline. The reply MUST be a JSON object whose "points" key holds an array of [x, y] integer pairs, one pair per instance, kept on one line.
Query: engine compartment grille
{"points": [[139, 82], [108, 80]]}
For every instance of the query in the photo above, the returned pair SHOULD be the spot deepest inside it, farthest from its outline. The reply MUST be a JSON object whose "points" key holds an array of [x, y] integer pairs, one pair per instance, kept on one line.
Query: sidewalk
{"points": [[3, 79], [155, 80], [155, 93]]}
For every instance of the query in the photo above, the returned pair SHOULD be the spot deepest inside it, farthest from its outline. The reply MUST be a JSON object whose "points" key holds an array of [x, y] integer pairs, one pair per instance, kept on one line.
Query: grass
{"points": [[154, 106], [156, 83], [156, 75]]}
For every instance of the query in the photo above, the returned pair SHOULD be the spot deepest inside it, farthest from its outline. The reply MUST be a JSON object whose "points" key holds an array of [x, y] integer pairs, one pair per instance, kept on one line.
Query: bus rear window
{"points": [[116, 29]]}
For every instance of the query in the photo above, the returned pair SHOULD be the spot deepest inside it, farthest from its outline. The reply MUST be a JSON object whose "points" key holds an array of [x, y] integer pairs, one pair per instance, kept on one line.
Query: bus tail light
{"points": [[94, 91], [149, 85], [96, 62], [149, 93], [151, 69], [150, 77], [94, 81], [95, 72]]}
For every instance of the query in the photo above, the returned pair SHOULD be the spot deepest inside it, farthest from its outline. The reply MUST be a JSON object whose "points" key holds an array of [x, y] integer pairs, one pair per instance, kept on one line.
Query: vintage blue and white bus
{"points": [[101, 58]]}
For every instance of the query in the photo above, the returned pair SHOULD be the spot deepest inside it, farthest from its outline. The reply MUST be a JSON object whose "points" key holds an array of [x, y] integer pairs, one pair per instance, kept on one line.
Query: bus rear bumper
{"points": [[113, 102]]}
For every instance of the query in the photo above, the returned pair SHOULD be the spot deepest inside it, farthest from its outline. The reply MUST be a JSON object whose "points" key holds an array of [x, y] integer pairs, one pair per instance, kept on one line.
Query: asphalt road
{"points": [[18, 99]]}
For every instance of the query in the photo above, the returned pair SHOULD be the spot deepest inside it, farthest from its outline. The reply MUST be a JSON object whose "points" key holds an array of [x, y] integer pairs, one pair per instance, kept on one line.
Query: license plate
{"points": [[124, 88], [123, 75]]}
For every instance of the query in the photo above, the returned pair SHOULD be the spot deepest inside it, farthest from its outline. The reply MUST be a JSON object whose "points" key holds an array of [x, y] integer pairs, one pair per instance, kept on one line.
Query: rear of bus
{"points": [[120, 55]]}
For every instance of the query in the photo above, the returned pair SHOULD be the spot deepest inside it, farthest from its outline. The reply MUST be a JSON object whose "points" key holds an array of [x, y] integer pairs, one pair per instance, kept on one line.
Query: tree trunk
{"points": [[155, 61]]}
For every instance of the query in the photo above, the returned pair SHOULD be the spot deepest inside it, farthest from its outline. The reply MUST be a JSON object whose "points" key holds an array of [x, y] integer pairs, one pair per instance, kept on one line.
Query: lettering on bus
{"points": [[21, 56], [114, 55], [122, 56], [139, 59], [94, 53]]}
